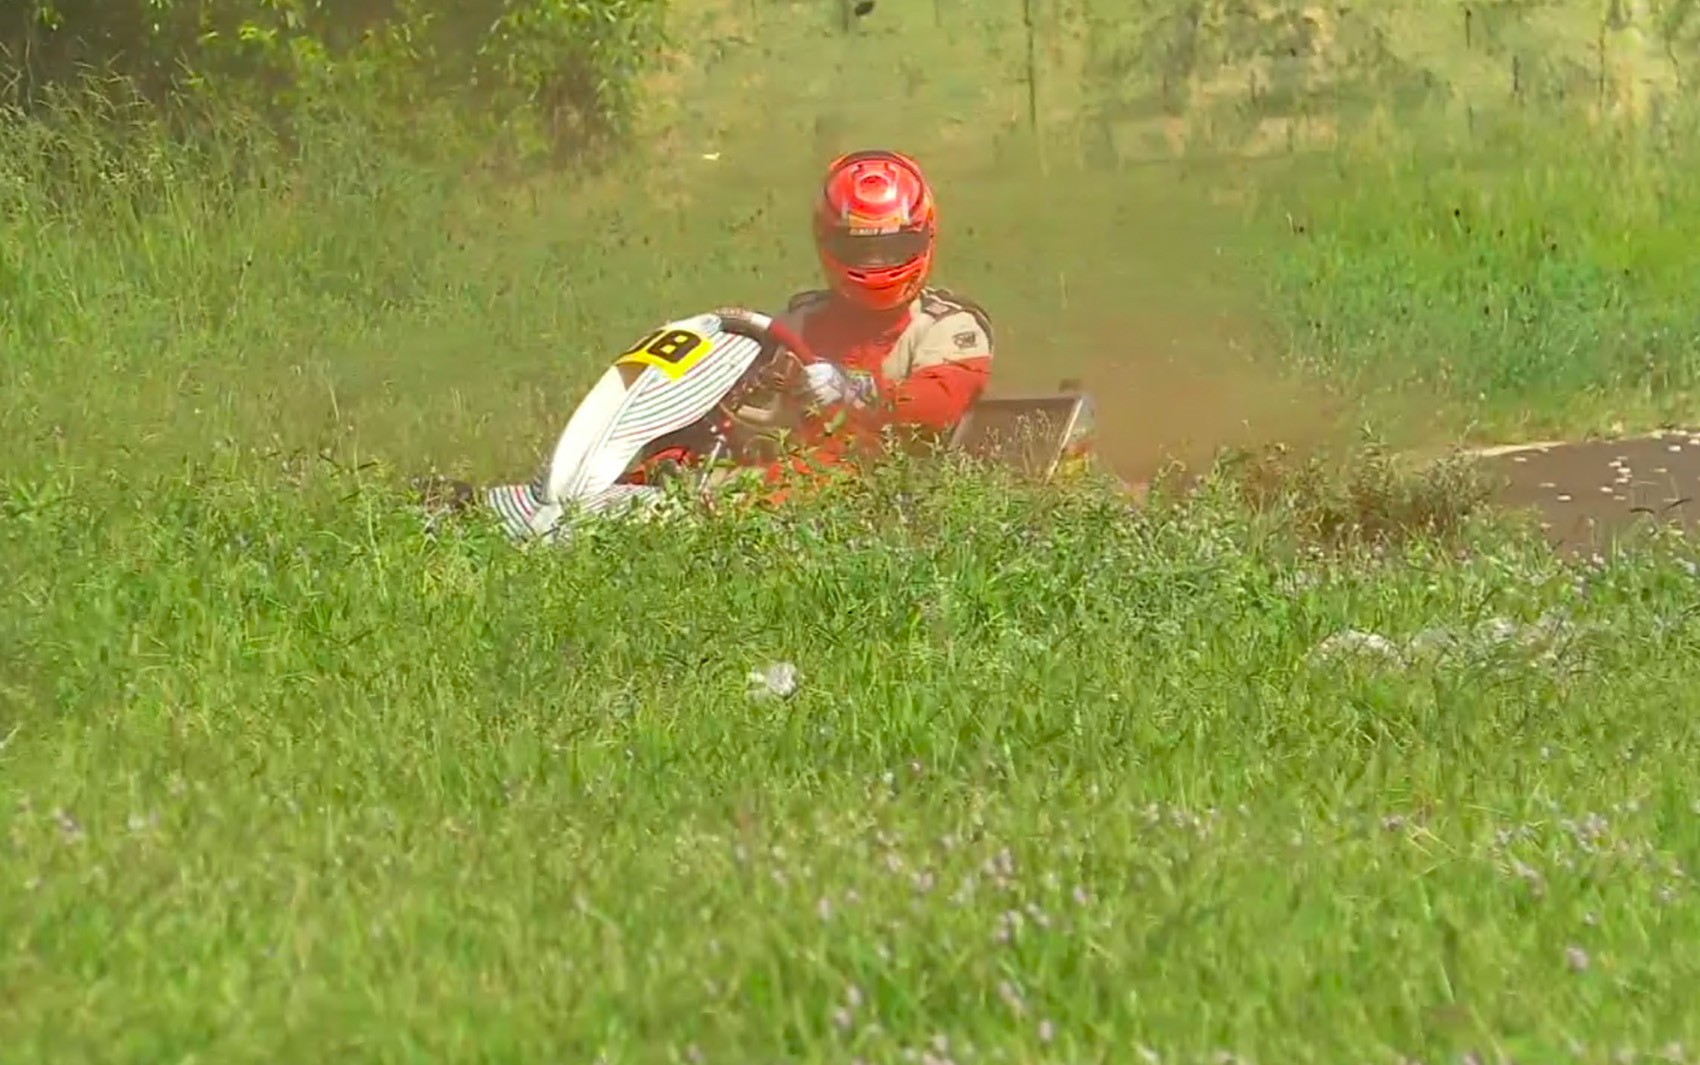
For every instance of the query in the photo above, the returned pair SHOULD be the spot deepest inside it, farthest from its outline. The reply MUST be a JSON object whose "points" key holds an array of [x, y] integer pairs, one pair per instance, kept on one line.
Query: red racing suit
{"points": [[928, 362]]}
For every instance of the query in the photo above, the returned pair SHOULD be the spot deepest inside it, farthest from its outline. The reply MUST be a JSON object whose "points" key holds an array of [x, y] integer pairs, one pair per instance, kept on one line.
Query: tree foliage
{"points": [[575, 62]]}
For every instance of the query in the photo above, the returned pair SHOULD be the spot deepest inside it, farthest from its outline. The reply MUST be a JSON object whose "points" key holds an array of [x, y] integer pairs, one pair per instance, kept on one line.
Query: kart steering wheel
{"points": [[783, 349], [769, 331]]}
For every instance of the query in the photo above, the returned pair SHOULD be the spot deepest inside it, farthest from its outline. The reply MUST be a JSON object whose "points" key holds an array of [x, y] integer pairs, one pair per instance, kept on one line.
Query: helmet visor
{"points": [[876, 251]]}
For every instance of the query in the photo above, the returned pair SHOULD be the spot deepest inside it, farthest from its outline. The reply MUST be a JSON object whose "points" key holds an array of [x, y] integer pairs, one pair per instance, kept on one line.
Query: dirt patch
{"points": [[1587, 494]]}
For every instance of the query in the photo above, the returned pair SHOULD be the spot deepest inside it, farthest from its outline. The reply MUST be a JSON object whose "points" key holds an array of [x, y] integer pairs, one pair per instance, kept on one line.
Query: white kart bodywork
{"points": [[688, 369], [638, 400]]}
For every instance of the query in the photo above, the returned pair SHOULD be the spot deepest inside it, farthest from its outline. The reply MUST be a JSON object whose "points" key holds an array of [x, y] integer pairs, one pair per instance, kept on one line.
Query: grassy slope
{"points": [[286, 780], [1444, 283]]}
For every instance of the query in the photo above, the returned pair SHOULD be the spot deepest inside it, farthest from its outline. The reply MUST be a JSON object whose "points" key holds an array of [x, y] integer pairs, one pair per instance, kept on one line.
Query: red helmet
{"points": [[875, 226]]}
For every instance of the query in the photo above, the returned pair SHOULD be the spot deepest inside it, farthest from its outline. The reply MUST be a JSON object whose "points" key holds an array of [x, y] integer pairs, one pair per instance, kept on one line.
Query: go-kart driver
{"points": [[896, 352]]}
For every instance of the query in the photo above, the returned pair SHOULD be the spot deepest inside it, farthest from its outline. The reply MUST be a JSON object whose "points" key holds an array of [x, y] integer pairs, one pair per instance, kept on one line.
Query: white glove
{"points": [[824, 384]]}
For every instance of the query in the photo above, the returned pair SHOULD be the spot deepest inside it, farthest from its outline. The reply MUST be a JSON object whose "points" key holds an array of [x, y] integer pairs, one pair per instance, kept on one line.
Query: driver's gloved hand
{"points": [[824, 384]]}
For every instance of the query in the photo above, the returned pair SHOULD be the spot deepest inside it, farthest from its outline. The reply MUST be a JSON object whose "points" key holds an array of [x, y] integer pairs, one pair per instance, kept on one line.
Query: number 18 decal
{"points": [[673, 351]]}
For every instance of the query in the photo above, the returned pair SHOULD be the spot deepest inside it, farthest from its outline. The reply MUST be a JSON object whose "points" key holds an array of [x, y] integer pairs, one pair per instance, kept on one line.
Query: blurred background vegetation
{"points": [[1123, 79], [573, 65], [1462, 218]]}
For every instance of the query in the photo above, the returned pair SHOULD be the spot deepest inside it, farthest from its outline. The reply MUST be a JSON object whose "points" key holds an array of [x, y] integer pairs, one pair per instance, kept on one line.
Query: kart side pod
{"points": [[1035, 433]]}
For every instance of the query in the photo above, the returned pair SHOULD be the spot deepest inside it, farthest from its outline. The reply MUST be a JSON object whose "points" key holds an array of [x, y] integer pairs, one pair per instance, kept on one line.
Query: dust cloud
{"points": [[1191, 387], [1149, 286]]}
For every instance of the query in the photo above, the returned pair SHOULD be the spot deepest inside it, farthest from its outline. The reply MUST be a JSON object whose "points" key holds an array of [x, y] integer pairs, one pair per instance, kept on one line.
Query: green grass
{"points": [[286, 778], [290, 780], [1527, 297]]}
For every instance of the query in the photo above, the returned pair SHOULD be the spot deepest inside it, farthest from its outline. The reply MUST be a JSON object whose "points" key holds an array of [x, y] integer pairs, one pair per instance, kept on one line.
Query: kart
{"points": [[706, 398]]}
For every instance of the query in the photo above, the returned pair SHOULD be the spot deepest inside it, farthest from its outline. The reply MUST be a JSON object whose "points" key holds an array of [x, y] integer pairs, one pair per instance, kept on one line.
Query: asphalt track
{"points": [[1588, 494]]}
